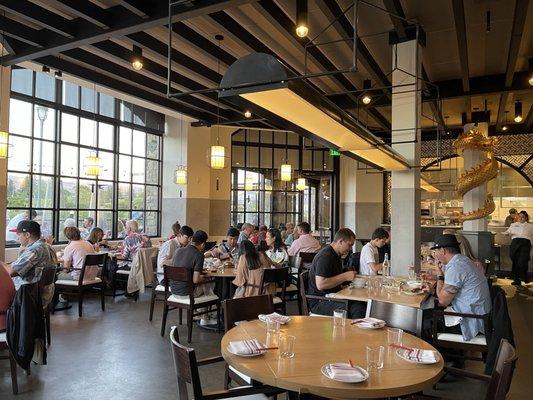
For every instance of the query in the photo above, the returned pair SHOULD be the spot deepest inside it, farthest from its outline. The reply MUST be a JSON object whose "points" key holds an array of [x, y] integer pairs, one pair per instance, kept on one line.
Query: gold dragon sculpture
{"points": [[480, 174]]}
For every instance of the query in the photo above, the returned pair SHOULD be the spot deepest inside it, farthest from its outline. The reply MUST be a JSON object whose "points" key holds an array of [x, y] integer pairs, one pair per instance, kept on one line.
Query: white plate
{"points": [[402, 355], [362, 325], [348, 379], [409, 293], [246, 355], [262, 318]]}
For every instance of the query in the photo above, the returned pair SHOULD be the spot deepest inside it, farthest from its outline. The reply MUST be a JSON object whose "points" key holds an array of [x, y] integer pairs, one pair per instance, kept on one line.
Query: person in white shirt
{"points": [[74, 255], [182, 239], [227, 249], [277, 252], [369, 263], [521, 233]]}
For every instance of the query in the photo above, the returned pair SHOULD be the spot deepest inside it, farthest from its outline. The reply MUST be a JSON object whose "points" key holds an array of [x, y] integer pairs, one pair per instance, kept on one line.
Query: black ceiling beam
{"points": [[286, 23], [120, 86], [86, 10], [140, 8], [145, 40], [21, 32], [452, 89], [363, 54], [7, 44], [528, 122], [79, 34], [462, 45], [394, 7], [519, 20], [40, 16], [202, 43], [104, 64]]}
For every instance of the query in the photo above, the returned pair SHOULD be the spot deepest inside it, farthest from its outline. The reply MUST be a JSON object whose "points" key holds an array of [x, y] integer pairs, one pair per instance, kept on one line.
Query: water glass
{"points": [[272, 333], [394, 336], [374, 357], [286, 346], [339, 317]]}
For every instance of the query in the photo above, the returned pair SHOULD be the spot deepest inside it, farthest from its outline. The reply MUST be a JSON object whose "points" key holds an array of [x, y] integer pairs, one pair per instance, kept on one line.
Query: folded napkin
{"points": [[282, 319], [419, 355], [451, 320], [345, 370], [246, 347], [369, 322]]}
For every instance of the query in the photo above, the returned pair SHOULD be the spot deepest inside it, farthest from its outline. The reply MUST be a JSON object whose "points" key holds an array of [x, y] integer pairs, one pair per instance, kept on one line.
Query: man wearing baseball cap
{"points": [[463, 285], [37, 254]]}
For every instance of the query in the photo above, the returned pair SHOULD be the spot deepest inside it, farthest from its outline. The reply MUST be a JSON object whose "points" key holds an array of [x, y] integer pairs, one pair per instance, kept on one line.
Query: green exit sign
{"points": [[334, 153]]}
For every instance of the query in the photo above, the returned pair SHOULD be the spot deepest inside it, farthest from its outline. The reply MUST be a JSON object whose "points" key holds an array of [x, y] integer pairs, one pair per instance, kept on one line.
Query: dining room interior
{"points": [[296, 199]]}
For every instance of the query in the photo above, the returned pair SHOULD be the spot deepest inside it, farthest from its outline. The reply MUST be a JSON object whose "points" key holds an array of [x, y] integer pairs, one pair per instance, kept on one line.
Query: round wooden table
{"points": [[318, 343]]}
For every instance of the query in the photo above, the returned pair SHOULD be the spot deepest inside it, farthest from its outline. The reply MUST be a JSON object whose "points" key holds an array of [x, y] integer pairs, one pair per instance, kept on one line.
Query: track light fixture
{"points": [[302, 28], [46, 69], [58, 74], [530, 62], [367, 84], [518, 111], [248, 114], [137, 58]]}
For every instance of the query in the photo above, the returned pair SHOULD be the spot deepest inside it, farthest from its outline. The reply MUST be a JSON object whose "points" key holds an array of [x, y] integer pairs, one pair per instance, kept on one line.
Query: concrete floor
{"points": [[119, 354]]}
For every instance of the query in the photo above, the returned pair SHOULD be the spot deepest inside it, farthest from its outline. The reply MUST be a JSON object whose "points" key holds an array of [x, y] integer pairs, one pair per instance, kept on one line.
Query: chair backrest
{"points": [[307, 258], [96, 260], [502, 375], [154, 263], [278, 275], [209, 245], [295, 262], [304, 284], [178, 274], [396, 315], [246, 309], [186, 367], [48, 276]]}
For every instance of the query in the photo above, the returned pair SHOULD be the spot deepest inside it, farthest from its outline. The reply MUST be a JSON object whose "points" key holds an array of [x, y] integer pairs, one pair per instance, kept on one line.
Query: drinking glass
{"points": [[374, 357], [339, 317], [272, 333], [394, 336], [286, 346]]}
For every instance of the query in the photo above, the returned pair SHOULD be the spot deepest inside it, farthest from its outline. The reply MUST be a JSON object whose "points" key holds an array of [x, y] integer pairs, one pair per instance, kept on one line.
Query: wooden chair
{"points": [[304, 288], [48, 277], [243, 309], [307, 258], [296, 268], [81, 285], [499, 382], [279, 277], [187, 372], [158, 291], [187, 302], [397, 316], [9, 356]]}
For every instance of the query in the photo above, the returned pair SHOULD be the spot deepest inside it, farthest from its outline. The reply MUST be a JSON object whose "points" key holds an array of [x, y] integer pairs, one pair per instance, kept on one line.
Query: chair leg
{"points": [[102, 296], [47, 321], [226, 378], [219, 328], [189, 325], [152, 303], [14, 380], [80, 303], [164, 320], [180, 316]]}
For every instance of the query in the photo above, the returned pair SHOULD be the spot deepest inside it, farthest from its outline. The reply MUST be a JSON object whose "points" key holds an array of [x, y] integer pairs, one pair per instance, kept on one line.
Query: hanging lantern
{"points": [[217, 157], [181, 175], [4, 144], [248, 184], [92, 165], [301, 184], [286, 172]]}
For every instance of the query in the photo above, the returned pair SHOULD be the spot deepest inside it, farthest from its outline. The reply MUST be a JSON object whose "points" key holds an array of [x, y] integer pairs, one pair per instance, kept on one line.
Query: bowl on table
{"points": [[413, 284], [358, 283]]}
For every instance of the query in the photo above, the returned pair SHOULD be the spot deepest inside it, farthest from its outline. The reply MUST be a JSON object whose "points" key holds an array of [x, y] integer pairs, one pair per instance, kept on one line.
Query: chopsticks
{"points": [[399, 346]]}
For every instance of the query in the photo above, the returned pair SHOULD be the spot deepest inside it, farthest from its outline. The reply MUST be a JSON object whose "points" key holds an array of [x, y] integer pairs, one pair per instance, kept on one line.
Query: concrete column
{"points": [[204, 203], [406, 111], [5, 76], [348, 173]]}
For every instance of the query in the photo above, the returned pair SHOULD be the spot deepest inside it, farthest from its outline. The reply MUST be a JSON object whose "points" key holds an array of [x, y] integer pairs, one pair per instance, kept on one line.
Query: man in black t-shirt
{"points": [[326, 276]]}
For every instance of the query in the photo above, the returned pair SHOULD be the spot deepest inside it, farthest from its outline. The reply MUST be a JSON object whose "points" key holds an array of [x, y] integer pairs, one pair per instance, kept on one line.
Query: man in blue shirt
{"points": [[462, 285]]}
